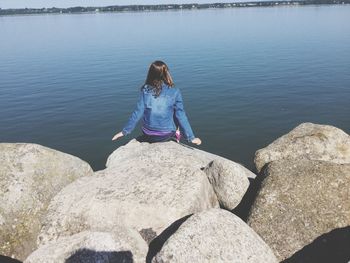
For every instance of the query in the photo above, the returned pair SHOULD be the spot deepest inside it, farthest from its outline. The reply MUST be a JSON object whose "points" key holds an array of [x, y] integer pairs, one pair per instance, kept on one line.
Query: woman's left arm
{"points": [[134, 118]]}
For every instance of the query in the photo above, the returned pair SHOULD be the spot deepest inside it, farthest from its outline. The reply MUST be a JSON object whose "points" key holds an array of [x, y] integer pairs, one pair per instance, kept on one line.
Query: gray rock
{"points": [[229, 180], [214, 235], [308, 140], [142, 191], [168, 152], [30, 176], [300, 200], [120, 245]]}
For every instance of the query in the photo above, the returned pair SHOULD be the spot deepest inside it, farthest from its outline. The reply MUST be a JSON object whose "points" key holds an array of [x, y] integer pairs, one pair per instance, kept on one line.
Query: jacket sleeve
{"points": [[182, 119], [135, 116]]}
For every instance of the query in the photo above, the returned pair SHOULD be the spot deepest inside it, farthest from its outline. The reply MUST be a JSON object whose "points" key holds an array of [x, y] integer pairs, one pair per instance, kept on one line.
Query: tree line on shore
{"points": [[160, 7]]}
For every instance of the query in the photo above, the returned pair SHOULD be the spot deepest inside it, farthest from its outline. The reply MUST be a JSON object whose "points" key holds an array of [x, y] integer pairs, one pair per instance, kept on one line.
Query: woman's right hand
{"points": [[196, 141]]}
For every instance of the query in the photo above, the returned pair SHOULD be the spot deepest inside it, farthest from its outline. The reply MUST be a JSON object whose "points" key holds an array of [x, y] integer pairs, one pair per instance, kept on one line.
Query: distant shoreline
{"points": [[164, 7]]}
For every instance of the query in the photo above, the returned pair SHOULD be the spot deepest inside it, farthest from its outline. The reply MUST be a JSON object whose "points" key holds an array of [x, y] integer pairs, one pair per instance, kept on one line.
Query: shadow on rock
{"points": [[330, 247], [243, 209], [156, 245], [90, 256], [4, 259]]}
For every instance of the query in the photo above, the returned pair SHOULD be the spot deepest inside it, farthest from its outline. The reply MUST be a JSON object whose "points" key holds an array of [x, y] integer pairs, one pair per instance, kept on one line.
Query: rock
{"points": [[229, 180], [4, 259], [168, 152], [147, 191], [30, 176], [121, 245], [308, 140], [214, 235], [148, 235], [300, 200]]}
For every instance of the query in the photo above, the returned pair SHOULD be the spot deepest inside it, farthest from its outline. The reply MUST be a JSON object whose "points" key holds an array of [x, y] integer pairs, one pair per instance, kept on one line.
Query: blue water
{"points": [[247, 75]]}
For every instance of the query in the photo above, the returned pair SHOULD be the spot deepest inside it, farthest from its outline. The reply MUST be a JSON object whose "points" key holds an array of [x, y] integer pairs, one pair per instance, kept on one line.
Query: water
{"points": [[247, 75]]}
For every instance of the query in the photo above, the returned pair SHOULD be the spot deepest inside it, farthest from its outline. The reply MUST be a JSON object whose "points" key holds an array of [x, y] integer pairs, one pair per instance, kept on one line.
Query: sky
{"points": [[69, 3]]}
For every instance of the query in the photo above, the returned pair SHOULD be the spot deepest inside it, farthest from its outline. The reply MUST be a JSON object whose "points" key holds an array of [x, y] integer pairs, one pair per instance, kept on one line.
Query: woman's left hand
{"points": [[117, 136]]}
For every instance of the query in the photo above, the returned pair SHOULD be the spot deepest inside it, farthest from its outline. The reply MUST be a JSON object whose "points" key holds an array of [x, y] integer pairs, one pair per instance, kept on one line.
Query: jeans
{"points": [[153, 138]]}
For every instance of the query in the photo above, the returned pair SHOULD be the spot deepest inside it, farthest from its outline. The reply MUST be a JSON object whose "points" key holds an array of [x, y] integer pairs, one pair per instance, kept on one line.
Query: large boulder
{"points": [[170, 153], [229, 180], [30, 176], [145, 186], [214, 235], [300, 200], [312, 141], [145, 193], [120, 245]]}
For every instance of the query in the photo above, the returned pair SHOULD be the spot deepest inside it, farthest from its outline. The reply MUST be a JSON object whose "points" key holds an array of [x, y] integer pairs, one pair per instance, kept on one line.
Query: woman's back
{"points": [[159, 110]]}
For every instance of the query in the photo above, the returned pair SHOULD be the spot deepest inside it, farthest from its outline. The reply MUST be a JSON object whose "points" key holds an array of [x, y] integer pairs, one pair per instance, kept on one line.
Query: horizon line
{"points": [[182, 4]]}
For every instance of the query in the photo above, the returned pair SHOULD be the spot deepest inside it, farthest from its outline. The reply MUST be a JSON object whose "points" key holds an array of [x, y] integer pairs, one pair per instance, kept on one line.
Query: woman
{"points": [[161, 107]]}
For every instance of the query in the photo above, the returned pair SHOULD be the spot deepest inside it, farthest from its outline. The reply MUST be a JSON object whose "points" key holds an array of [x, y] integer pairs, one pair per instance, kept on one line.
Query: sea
{"points": [[247, 75]]}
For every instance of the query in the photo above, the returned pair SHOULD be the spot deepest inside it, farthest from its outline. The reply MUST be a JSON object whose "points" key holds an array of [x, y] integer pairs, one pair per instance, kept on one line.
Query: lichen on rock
{"points": [[310, 141], [30, 176]]}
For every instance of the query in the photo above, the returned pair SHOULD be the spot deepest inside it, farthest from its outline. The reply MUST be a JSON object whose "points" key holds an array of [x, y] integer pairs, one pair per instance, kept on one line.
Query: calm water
{"points": [[247, 75]]}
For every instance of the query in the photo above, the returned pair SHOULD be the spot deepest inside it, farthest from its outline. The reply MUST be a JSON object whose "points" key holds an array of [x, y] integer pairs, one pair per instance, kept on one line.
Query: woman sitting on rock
{"points": [[161, 106]]}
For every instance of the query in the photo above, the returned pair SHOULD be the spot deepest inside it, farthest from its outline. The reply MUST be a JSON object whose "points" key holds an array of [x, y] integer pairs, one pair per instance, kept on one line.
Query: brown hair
{"points": [[158, 74]]}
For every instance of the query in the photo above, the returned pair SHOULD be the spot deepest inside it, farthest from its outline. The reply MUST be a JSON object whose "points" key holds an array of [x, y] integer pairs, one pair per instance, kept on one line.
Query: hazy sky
{"points": [[70, 3]]}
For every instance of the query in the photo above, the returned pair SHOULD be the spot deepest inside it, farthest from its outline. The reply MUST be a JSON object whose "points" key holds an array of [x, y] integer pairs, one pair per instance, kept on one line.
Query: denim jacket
{"points": [[160, 113]]}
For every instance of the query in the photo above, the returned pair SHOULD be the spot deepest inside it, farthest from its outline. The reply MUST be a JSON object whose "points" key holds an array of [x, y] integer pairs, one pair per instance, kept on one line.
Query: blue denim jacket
{"points": [[160, 113]]}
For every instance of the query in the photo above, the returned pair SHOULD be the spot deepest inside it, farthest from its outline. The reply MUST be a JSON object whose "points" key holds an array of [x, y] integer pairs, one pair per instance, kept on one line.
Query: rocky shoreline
{"points": [[167, 202]]}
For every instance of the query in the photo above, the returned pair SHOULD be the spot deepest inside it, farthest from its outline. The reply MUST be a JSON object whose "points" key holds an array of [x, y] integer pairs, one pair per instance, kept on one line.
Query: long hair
{"points": [[158, 74]]}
